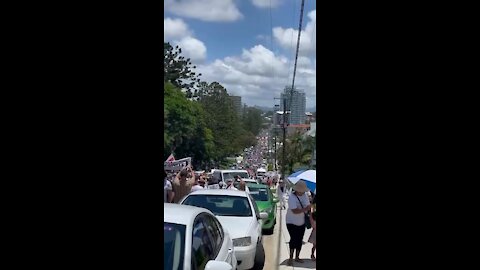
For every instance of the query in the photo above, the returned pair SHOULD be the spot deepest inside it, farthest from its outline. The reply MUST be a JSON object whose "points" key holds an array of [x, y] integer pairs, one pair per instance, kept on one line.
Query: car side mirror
{"points": [[264, 215], [218, 265], [275, 200]]}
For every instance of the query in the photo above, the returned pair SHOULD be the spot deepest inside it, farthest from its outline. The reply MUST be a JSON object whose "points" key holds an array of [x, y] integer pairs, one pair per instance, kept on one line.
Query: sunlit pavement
{"points": [[277, 252]]}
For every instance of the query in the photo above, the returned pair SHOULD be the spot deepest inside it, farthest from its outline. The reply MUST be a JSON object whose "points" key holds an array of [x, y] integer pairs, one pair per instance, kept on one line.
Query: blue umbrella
{"points": [[309, 176]]}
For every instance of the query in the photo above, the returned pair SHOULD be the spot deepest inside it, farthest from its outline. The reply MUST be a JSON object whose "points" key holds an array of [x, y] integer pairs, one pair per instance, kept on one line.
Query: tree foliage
{"points": [[253, 120], [186, 133], [178, 70], [298, 152]]}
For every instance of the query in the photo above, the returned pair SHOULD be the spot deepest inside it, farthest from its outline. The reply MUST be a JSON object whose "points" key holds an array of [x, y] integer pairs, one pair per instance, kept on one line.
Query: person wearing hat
{"points": [[298, 206]]}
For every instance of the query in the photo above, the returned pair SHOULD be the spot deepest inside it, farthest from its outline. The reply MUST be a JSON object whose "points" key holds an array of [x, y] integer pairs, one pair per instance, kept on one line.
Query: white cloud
{"points": [[287, 37], [266, 3], [193, 48], [174, 29], [205, 10], [258, 75], [177, 32]]}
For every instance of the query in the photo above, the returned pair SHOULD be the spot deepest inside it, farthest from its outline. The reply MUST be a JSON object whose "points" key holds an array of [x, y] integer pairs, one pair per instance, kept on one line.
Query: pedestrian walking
{"points": [[281, 190], [298, 209], [182, 185]]}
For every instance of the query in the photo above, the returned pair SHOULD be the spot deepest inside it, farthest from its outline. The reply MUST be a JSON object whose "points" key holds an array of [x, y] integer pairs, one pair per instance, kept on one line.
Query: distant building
{"points": [[237, 104], [296, 104]]}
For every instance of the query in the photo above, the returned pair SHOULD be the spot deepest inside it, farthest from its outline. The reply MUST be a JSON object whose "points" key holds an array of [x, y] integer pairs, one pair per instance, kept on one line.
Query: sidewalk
{"points": [[285, 250]]}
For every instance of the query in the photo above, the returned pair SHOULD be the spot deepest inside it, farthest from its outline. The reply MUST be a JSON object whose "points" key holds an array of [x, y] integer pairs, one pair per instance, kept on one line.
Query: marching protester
{"points": [[214, 183], [296, 218], [167, 189], [243, 186], [230, 184], [281, 190], [182, 185], [202, 182], [196, 184]]}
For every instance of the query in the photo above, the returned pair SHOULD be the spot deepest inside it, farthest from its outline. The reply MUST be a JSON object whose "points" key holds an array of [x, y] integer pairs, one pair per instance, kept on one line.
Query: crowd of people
{"points": [[301, 212], [176, 186]]}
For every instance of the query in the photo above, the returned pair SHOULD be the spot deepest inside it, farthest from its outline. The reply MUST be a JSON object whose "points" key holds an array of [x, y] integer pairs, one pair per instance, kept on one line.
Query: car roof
{"points": [[228, 192], [228, 171], [256, 185], [181, 214]]}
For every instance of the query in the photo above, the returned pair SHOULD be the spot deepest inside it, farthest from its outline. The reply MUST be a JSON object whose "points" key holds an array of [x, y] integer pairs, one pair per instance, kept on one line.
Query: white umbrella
{"points": [[309, 176]]}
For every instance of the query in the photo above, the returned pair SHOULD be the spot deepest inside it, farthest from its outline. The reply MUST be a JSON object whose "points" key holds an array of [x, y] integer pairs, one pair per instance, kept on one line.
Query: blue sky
{"points": [[230, 41]]}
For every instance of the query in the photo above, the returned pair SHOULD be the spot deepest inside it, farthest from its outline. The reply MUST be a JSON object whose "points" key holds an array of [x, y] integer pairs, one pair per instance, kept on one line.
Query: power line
{"points": [[271, 38], [298, 45], [291, 92]]}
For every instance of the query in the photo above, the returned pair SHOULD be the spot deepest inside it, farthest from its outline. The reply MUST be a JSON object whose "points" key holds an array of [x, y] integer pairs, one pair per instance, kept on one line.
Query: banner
{"points": [[177, 165]]}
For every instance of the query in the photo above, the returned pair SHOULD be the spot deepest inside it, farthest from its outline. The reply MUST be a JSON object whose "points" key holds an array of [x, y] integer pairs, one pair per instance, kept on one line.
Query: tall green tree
{"points": [[253, 120], [222, 118], [186, 132], [178, 70]]}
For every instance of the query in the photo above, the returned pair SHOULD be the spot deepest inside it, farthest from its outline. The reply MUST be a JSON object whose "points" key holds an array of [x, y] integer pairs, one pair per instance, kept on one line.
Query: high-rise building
{"points": [[237, 104], [297, 107]]}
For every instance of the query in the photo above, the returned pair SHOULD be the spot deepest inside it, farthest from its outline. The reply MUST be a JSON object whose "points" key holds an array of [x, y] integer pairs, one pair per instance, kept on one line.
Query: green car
{"points": [[266, 203]]}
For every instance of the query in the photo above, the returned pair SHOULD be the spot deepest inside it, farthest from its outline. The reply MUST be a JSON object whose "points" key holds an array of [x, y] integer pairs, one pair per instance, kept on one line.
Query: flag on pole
{"points": [[170, 158]]}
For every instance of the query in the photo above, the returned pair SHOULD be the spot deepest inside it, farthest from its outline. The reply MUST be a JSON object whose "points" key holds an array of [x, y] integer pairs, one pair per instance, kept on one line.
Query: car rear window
{"points": [[259, 194], [221, 205]]}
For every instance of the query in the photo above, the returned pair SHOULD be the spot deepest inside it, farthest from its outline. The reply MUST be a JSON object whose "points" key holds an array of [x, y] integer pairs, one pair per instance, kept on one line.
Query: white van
{"points": [[261, 172], [223, 175]]}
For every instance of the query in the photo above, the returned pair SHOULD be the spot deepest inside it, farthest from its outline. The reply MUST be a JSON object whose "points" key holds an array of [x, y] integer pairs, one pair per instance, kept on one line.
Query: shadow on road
{"points": [[307, 263]]}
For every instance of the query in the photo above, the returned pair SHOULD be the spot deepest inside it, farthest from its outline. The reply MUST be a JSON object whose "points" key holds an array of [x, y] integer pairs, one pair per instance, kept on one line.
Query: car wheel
{"points": [[259, 261]]}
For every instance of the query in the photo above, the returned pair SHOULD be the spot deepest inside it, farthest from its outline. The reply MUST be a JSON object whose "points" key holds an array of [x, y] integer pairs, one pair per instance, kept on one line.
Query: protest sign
{"points": [[177, 165]]}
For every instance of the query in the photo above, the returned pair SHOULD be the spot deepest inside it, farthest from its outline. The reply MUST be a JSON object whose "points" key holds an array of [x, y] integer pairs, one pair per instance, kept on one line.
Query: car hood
{"points": [[237, 226]]}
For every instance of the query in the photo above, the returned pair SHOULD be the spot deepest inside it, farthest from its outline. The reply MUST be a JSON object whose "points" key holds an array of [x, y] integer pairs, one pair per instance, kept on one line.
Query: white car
{"points": [[238, 212], [195, 239]]}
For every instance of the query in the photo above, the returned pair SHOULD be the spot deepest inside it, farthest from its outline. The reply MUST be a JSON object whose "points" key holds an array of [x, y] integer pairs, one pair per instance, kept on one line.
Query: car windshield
{"points": [[221, 205], [232, 175], [174, 246], [259, 194]]}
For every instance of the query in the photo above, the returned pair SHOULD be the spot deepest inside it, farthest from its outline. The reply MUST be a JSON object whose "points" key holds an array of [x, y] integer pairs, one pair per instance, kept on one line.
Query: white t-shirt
{"points": [[196, 187], [232, 187], [293, 203]]}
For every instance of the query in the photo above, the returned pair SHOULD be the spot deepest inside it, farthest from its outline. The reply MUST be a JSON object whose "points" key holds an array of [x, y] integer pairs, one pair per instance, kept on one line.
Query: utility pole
{"points": [[275, 141], [291, 92]]}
